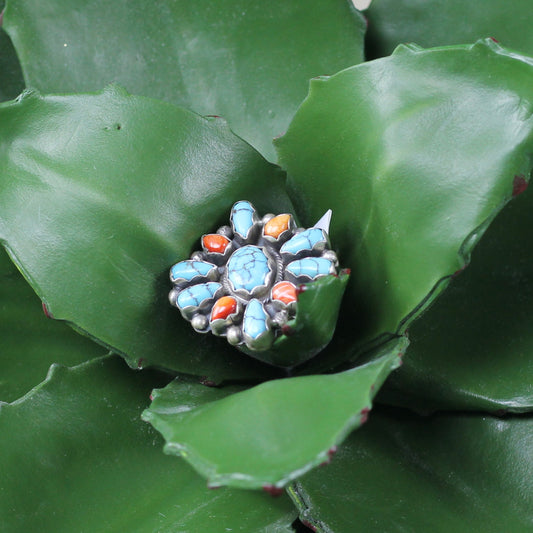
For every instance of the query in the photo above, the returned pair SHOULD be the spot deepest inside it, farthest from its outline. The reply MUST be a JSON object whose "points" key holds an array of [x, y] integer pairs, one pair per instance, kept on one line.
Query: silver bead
{"points": [[234, 335], [199, 322]]}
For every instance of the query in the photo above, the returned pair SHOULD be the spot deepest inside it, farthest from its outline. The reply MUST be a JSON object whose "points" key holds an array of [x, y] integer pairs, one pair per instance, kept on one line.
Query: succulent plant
{"points": [[114, 161]]}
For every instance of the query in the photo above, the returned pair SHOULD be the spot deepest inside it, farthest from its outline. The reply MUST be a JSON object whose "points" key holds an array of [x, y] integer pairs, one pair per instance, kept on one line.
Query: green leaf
{"points": [[99, 196], [30, 342], [415, 154], [248, 62], [405, 473], [474, 348], [437, 23], [75, 456], [270, 434]]}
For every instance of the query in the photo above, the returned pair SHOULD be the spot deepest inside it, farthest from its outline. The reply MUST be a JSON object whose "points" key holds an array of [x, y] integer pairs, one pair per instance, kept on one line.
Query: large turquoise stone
{"points": [[248, 268], [311, 267], [305, 240], [242, 218], [197, 294], [254, 322], [188, 270]]}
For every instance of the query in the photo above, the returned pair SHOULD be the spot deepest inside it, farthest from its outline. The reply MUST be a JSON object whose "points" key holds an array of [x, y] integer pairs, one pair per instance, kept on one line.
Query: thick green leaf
{"points": [[415, 154], [11, 80], [249, 62], [445, 22], [270, 434], [76, 457], [474, 348], [470, 474], [30, 342], [100, 194]]}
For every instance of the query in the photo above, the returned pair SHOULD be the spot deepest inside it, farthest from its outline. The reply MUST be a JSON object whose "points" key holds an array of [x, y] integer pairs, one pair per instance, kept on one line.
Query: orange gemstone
{"points": [[285, 292], [215, 243], [223, 308], [277, 225]]}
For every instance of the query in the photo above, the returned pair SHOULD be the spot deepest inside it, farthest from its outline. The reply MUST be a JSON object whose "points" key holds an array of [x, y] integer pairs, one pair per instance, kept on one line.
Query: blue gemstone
{"points": [[242, 218], [305, 240], [188, 270], [254, 322], [195, 295], [248, 268], [311, 267]]}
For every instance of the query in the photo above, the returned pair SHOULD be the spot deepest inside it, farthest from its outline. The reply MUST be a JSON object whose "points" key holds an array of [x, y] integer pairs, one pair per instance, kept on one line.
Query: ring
{"points": [[244, 283]]}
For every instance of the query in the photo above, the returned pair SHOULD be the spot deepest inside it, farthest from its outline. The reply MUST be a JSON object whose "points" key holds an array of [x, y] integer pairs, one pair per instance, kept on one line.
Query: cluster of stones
{"points": [[244, 284]]}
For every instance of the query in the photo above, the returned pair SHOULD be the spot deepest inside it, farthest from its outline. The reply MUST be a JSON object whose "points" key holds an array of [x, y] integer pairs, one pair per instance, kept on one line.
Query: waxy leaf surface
{"points": [[407, 473], [100, 194], [448, 22], [76, 457], [474, 348], [29, 341], [415, 154], [249, 62], [270, 434]]}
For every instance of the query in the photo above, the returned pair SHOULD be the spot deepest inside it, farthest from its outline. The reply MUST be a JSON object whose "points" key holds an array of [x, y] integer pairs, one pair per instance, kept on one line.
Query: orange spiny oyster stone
{"points": [[224, 307], [285, 292], [277, 225], [215, 243]]}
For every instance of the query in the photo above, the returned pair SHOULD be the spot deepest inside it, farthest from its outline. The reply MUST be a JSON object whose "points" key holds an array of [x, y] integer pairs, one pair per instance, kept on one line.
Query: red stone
{"points": [[224, 307], [215, 243], [285, 292]]}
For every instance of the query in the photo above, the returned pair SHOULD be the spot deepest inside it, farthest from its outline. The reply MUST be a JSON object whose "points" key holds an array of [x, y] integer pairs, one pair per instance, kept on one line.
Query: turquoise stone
{"points": [[248, 268], [305, 240], [311, 267], [188, 270], [242, 218], [254, 322], [197, 294]]}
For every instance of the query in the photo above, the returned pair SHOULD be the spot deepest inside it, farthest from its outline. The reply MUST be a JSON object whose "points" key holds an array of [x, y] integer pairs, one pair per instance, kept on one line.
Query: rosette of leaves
{"points": [[103, 187]]}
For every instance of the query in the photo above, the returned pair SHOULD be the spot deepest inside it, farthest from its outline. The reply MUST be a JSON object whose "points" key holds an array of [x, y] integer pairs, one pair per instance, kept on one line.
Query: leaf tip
{"points": [[28, 94], [115, 90], [217, 119], [46, 311], [316, 83], [519, 185], [273, 490], [206, 382], [407, 48], [459, 271]]}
